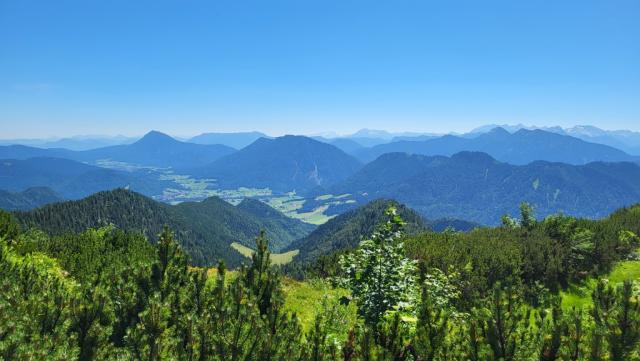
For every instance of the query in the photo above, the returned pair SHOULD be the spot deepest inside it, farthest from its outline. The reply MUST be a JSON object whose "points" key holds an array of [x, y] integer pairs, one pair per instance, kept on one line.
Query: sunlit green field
{"points": [[290, 205], [191, 189], [276, 258], [580, 295], [309, 298], [316, 216]]}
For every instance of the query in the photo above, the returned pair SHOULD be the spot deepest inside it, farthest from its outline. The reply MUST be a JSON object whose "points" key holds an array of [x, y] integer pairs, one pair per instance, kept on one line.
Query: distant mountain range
{"points": [[234, 140], [625, 140], [72, 143], [346, 145], [550, 168], [522, 147], [206, 229], [282, 164], [154, 149], [27, 199], [71, 180], [161, 150], [476, 187]]}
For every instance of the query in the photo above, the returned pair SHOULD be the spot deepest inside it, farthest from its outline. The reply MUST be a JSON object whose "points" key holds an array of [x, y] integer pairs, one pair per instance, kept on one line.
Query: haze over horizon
{"points": [[122, 67], [326, 134]]}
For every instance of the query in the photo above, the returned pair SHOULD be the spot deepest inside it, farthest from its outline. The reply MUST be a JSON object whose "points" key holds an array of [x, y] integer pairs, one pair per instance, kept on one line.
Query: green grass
{"points": [[309, 298], [628, 270], [190, 189], [316, 216], [276, 258], [290, 204], [580, 295]]}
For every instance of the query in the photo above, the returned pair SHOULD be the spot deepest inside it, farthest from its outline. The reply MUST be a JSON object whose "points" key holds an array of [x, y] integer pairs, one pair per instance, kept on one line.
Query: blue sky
{"points": [[185, 67]]}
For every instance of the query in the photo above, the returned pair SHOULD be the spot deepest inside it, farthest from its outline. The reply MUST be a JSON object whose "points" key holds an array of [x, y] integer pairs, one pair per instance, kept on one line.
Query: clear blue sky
{"points": [[303, 66]]}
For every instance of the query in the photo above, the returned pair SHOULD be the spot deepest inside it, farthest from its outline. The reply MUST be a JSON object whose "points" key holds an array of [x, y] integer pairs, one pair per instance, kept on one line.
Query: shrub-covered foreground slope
{"points": [[206, 229], [111, 295]]}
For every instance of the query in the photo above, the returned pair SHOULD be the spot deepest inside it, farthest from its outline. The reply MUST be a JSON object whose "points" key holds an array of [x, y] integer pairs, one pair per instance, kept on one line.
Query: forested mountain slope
{"points": [[282, 164], [72, 180], [205, 229], [27, 199], [349, 229], [476, 187]]}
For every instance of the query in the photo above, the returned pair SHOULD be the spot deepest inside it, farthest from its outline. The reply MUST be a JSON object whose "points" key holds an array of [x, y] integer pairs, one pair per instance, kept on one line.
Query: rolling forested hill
{"points": [[205, 229], [347, 230], [476, 187], [71, 179], [27, 199], [282, 164]]}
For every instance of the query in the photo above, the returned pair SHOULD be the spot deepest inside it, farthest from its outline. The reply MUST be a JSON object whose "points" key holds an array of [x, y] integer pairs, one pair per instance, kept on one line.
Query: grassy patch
{"points": [[580, 295], [276, 258], [309, 298], [324, 197], [627, 270], [316, 216], [289, 205]]}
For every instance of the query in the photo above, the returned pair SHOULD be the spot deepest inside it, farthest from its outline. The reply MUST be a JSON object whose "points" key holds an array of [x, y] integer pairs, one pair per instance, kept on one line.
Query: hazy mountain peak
{"points": [[499, 131], [290, 162], [236, 140], [155, 136], [372, 133]]}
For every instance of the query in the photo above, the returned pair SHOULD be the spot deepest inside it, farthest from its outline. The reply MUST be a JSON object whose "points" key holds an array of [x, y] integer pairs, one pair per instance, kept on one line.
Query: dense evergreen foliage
{"points": [[105, 294], [347, 230], [205, 229], [549, 253]]}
